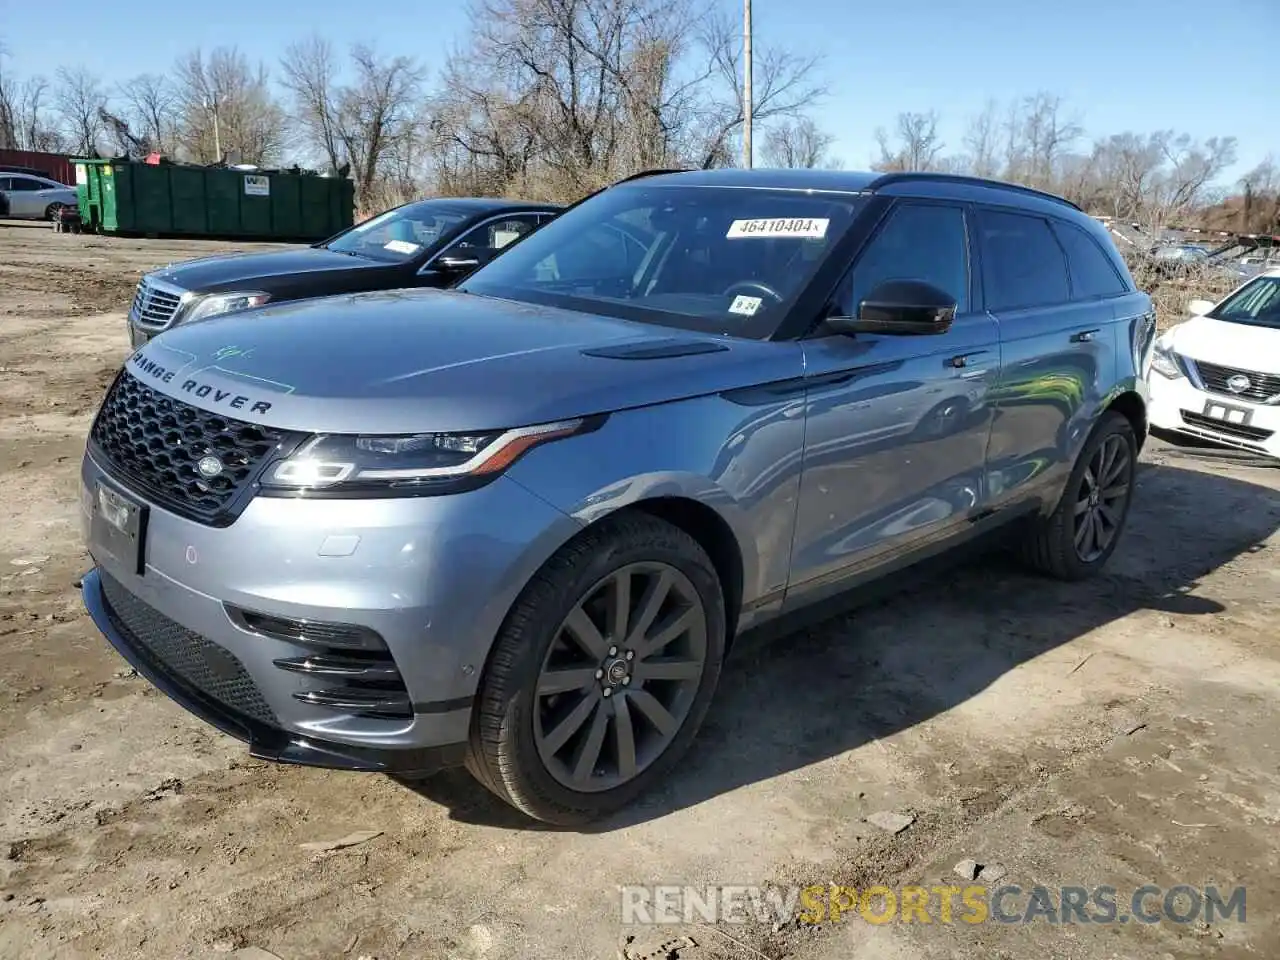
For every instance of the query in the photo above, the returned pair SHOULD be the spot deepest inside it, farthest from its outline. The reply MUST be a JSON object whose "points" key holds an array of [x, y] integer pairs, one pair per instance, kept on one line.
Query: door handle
{"points": [[1083, 336], [962, 359]]}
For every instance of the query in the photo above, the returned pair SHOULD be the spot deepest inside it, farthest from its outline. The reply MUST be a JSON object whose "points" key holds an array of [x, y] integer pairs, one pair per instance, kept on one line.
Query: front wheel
{"points": [[1077, 539], [53, 211], [602, 673]]}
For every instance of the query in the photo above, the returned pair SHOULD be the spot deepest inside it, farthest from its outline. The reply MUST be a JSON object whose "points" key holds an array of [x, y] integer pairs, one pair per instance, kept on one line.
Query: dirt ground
{"points": [[1121, 732]]}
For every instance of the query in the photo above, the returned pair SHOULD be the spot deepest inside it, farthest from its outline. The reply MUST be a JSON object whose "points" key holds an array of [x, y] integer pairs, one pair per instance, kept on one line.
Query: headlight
{"points": [[416, 464], [216, 304], [1165, 362]]}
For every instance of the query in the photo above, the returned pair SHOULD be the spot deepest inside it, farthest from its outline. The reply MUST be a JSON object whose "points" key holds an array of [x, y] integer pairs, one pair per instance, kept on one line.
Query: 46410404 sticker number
{"points": [[807, 228]]}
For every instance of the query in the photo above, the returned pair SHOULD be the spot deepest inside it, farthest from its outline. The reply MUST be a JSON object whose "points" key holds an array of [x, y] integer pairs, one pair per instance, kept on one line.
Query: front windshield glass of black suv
{"points": [[1256, 303], [400, 234], [714, 259]]}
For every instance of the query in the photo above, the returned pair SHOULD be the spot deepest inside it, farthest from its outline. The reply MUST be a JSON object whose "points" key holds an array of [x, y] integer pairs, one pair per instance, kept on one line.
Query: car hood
{"points": [[241, 269], [432, 360], [1238, 345]]}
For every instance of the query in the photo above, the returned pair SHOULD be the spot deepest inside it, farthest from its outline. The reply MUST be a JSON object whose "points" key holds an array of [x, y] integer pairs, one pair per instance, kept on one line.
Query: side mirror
{"points": [[1198, 308], [900, 308]]}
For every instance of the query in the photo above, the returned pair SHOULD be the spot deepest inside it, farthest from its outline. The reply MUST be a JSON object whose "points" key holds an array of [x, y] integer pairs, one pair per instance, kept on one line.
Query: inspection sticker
{"points": [[401, 246], [807, 228], [747, 306]]}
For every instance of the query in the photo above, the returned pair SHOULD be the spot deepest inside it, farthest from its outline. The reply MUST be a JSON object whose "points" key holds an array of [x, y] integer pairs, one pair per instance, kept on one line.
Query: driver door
{"points": [[896, 425]]}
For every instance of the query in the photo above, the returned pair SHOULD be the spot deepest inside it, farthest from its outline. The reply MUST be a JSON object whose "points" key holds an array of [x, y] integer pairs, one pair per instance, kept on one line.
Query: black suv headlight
{"points": [[420, 464]]}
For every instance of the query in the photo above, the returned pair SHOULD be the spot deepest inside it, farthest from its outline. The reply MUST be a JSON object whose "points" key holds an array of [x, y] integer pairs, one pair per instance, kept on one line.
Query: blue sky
{"points": [[1121, 65]]}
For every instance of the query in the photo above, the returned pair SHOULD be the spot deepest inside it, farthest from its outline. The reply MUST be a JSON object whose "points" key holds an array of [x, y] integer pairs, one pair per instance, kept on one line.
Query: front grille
{"points": [[1262, 386], [1240, 431], [154, 443], [186, 656], [154, 306]]}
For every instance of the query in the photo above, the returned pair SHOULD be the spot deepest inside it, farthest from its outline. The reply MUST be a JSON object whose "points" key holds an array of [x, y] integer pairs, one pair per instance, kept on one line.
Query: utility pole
{"points": [[217, 134], [747, 109]]}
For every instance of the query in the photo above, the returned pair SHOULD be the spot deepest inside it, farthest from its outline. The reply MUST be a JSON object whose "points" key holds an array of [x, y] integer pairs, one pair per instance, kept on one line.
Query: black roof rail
{"points": [[656, 172], [910, 176]]}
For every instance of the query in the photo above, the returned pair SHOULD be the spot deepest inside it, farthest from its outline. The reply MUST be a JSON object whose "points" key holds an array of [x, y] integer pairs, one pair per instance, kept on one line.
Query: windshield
{"points": [[400, 234], [714, 259], [1256, 303]]}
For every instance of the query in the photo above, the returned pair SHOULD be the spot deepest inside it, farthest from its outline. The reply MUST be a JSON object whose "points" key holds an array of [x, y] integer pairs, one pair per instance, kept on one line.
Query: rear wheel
{"points": [[602, 674], [53, 211], [1078, 538]]}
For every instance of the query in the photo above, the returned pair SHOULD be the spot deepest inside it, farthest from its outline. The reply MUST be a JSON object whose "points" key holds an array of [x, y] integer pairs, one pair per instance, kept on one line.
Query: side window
{"points": [[6, 183], [919, 242], [1092, 274], [27, 184], [602, 253], [1022, 263], [498, 233]]}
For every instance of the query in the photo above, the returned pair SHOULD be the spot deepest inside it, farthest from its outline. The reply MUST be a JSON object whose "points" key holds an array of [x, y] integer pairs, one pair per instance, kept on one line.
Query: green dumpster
{"points": [[171, 199]]}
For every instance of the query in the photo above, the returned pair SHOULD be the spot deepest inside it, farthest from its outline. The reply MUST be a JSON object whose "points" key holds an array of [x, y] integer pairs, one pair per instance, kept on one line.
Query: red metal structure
{"points": [[55, 166]]}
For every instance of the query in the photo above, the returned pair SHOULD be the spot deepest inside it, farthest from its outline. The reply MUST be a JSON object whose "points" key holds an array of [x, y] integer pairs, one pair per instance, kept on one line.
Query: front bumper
{"points": [[1180, 406], [266, 741], [431, 578]]}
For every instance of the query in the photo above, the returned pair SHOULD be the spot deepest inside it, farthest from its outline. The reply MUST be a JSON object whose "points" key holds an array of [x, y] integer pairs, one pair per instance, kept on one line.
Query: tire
{"points": [[51, 211], [1052, 545], [516, 725]]}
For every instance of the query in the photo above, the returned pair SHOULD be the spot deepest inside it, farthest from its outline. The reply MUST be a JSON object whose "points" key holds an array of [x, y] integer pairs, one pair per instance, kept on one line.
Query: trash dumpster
{"points": [[172, 199]]}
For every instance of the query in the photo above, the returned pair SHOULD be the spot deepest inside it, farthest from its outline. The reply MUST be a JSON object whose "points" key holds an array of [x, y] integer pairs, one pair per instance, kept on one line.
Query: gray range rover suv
{"points": [[518, 524]]}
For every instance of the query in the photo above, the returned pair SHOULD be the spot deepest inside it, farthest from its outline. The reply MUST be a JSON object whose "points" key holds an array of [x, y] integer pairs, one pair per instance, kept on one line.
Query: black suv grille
{"points": [[183, 655], [1262, 386], [155, 443]]}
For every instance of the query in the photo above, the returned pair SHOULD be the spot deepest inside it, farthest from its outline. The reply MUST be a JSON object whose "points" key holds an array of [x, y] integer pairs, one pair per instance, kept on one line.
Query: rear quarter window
{"points": [[1093, 275]]}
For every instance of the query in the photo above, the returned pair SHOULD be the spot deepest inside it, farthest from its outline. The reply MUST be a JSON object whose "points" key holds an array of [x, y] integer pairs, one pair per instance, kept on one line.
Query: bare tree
{"points": [[223, 101], [310, 70], [784, 84], [575, 93], [1047, 134], [797, 143], [79, 98], [981, 140], [149, 101], [371, 125], [914, 146]]}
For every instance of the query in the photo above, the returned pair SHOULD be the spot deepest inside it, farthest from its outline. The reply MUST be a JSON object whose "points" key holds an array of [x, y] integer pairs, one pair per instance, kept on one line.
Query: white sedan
{"points": [[1217, 375]]}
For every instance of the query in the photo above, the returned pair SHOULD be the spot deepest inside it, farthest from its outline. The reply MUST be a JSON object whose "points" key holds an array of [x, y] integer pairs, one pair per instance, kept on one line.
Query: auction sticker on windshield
{"points": [[400, 246], [808, 228]]}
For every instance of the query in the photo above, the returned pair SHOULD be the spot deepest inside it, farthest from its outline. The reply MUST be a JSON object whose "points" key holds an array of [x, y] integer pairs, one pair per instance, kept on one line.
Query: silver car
{"points": [[519, 523], [27, 197]]}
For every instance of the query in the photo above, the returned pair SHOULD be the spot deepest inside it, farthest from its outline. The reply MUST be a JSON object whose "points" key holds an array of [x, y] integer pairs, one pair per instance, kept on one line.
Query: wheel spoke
{"points": [[586, 634], [624, 735], [570, 725], [1082, 506], [1119, 463], [565, 680], [1089, 480], [1106, 454], [619, 605], [1094, 533], [1115, 492], [650, 604], [668, 669], [1082, 531], [654, 712], [589, 753], [671, 630], [1110, 515]]}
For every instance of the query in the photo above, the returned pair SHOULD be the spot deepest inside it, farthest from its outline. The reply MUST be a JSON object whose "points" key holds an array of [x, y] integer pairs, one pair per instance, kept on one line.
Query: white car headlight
{"points": [[216, 304], [1164, 361]]}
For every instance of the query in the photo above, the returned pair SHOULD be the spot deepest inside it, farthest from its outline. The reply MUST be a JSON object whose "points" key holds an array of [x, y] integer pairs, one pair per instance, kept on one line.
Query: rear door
{"points": [[1056, 333]]}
